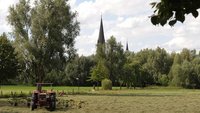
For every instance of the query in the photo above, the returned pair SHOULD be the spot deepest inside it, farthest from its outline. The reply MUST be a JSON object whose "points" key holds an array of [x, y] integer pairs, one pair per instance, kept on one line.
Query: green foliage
{"points": [[115, 58], [177, 59], [9, 67], [184, 71], [163, 80], [171, 11], [176, 72], [112, 55], [106, 84], [55, 77], [184, 75], [161, 62], [44, 36], [99, 72], [79, 68], [153, 63], [100, 52], [131, 74], [186, 54]]}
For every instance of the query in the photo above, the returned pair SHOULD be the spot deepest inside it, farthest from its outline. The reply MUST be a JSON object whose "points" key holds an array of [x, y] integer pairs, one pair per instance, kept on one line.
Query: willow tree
{"points": [[44, 34]]}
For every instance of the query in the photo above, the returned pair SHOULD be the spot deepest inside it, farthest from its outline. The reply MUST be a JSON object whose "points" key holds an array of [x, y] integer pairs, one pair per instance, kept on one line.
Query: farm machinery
{"points": [[43, 97]]}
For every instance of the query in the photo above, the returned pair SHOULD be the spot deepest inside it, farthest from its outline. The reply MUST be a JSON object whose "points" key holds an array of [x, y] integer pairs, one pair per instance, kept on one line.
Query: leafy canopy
{"points": [[44, 35], [9, 67], [171, 11]]}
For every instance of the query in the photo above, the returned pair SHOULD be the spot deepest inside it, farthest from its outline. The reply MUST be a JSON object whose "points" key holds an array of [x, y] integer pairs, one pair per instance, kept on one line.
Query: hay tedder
{"points": [[43, 98]]}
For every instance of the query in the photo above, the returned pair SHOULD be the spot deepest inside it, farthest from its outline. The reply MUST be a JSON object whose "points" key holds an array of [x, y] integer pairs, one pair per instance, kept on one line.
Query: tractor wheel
{"points": [[32, 106], [33, 102], [52, 103], [52, 106]]}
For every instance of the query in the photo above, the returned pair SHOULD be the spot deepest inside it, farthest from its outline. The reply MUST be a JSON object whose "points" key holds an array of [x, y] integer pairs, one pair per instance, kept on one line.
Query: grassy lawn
{"points": [[154, 90], [27, 89], [147, 100]]}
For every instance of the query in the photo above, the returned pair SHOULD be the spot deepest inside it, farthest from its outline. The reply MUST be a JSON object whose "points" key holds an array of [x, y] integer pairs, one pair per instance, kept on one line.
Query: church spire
{"points": [[127, 46], [101, 39]]}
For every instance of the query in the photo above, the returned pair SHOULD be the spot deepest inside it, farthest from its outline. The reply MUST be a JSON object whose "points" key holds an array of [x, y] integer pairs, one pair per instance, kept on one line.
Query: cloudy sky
{"points": [[127, 20]]}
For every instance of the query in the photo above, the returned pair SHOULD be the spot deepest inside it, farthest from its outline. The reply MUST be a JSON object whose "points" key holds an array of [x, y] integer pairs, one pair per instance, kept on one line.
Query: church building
{"points": [[101, 38]]}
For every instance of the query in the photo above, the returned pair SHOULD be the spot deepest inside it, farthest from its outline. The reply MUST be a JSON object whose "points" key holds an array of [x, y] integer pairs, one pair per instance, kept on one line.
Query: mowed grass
{"points": [[147, 100]]}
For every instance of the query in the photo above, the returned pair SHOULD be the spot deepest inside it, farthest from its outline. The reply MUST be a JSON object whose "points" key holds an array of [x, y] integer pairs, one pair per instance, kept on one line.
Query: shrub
{"points": [[163, 80], [106, 84]]}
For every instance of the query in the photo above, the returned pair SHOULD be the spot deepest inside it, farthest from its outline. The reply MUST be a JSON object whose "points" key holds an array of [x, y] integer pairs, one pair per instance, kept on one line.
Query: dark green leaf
{"points": [[158, 5], [182, 19], [172, 22], [195, 13], [154, 20], [153, 4], [180, 16], [175, 9], [163, 22]]}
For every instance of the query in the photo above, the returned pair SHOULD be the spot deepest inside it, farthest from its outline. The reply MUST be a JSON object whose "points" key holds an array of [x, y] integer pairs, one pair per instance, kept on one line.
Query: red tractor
{"points": [[43, 98]]}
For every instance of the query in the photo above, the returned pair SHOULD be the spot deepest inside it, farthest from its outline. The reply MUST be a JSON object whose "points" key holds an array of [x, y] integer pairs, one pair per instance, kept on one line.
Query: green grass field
{"points": [[147, 100], [153, 90], [27, 89]]}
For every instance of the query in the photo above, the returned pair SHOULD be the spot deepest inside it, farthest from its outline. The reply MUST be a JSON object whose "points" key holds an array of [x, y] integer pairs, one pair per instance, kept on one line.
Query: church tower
{"points": [[127, 46], [101, 39], [100, 51]]}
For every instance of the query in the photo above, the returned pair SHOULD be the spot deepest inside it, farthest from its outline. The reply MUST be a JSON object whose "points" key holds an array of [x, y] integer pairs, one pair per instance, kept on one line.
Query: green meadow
{"points": [[152, 90], [147, 100]]}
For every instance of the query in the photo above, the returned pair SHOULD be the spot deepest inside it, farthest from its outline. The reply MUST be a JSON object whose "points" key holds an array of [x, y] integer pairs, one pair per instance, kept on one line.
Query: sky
{"points": [[126, 20]]}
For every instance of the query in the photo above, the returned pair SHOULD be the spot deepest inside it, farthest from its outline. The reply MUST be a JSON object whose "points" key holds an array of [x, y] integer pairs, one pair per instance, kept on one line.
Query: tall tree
{"points": [[9, 67], [99, 72], [132, 74], [44, 35], [171, 11], [115, 58], [145, 59], [161, 63], [196, 67], [176, 71]]}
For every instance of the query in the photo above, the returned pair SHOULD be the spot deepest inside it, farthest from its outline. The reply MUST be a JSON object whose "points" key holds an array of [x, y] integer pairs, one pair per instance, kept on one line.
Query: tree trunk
{"points": [[93, 86], [134, 86], [97, 85], [127, 85]]}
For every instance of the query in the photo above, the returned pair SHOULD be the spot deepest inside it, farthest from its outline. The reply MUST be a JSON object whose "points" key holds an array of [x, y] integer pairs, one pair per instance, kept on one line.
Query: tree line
{"points": [[42, 50], [123, 68]]}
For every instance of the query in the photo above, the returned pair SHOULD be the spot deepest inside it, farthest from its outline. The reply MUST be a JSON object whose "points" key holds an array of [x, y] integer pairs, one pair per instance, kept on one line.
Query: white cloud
{"points": [[128, 21], [4, 6], [86, 44], [186, 36], [124, 19], [72, 3]]}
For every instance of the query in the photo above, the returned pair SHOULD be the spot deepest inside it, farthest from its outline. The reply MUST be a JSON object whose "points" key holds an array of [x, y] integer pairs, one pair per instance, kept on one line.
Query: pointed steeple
{"points": [[127, 46], [101, 39]]}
